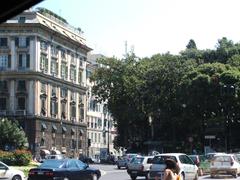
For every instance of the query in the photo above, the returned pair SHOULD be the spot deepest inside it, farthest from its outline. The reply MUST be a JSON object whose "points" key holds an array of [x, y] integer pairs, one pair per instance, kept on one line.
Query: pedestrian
{"points": [[172, 170]]}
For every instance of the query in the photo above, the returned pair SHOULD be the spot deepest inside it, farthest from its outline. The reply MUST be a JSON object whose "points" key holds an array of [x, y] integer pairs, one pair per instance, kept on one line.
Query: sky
{"points": [[150, 26]]}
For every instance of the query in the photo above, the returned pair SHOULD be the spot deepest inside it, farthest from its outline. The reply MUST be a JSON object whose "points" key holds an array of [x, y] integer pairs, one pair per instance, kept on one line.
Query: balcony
{"points": [[20, 112], [3, 112]]}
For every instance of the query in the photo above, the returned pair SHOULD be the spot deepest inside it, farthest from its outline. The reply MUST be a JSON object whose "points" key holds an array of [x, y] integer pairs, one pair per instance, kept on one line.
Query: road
{"points": [[111, 172]]}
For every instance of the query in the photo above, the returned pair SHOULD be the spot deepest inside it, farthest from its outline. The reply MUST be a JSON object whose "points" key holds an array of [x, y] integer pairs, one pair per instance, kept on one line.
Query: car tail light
{"points": [[48, 173], [31, 172]]}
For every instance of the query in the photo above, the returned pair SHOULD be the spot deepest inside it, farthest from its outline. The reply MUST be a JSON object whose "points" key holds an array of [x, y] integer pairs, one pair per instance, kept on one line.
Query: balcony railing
{"points": [[20, 112]]}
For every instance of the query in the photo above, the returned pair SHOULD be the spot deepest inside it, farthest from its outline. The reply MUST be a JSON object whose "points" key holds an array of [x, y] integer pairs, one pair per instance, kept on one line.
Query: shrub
{"points": [[7, 157], [22, 157]]}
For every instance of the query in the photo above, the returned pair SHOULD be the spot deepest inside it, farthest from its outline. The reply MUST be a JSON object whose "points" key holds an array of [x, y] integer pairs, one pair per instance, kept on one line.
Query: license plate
{"points": [[40, 173], [134, 172]]}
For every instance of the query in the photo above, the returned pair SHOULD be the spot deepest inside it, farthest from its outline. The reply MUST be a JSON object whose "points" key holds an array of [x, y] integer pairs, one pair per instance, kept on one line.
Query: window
{"points": [[3, 86], [23, 41], [24, 61], [54, 67], [44, 63], [63, 93], [64, 71], [5, 61], [43, 106], [81, 113], [54, 108], [54, 51], [73, 96], [21, 103], [73, 73], [43, 88], [63, 54], [73, 111], [3, 42], [43, 46], [21, 85], [3, 103], [22, 19], [80, 76], [54, 91]]}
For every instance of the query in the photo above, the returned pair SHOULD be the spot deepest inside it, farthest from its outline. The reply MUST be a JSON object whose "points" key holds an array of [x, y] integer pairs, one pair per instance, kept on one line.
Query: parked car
{"points": [[225, 164], [210, 156], [70, 169], [10, 173], [55, 156], [86, 159], [125, 159], [188, 170], [139, 166]]}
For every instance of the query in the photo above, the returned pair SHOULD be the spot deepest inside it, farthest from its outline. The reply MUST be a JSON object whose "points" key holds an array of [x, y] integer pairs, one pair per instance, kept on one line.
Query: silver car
{"points": [[188, 169], [139, 166], [124, 160]]}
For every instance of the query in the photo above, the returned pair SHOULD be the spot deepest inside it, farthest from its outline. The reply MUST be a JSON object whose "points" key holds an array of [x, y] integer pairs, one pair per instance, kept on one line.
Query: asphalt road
{"points": [[111, 172]]}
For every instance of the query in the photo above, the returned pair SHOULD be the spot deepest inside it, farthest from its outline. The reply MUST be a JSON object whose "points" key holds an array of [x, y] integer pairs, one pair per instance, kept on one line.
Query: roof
{"points": [[12, 7]]}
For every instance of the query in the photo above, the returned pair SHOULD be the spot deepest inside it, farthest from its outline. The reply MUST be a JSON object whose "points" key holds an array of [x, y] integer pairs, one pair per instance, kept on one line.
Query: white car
{"points": [[9, 173], [139, 166], [225, 164], [188, 169]]}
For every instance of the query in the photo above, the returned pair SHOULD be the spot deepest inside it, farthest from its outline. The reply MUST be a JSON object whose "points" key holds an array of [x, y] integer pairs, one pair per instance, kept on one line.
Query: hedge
{"points": [[17, 157]]}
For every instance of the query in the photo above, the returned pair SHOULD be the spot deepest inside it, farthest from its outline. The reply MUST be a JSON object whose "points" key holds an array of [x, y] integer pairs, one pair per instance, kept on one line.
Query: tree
{"points": [[191, 44], [12, 136]]}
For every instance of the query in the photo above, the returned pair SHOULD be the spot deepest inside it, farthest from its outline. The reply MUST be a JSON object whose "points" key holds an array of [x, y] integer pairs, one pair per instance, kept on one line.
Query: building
{"points": [[43, 81], [100, 129]]}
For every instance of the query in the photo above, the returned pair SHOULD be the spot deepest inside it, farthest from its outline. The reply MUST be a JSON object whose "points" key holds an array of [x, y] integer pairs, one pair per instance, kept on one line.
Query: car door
{"points": [[73, 170], [3, 171], [188, 166]]}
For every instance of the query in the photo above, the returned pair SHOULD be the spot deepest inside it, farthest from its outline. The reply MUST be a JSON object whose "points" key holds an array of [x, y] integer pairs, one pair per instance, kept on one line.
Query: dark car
{"points": [[63, 169], [86, 159]]}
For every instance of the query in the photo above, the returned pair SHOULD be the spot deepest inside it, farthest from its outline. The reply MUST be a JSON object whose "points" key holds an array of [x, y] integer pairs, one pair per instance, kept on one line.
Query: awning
{"points": [[81, 132], [54, 128], [45, 151], [64, 129], [73, 131], [43, 126]]}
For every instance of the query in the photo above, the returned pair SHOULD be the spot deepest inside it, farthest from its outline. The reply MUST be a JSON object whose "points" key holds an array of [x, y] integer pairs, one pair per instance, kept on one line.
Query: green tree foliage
{"points": [[12, 136], [182, 93]]}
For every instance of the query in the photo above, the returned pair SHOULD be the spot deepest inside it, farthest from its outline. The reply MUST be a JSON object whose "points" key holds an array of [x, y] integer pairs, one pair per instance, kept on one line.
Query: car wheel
{"points": [[133, 177], [94, 177], [235, 175], [16, 177], [196, 176], [182, 177], [212, 175]]}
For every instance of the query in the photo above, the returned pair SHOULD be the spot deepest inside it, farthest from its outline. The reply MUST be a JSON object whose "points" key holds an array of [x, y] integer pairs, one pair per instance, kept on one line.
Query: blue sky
{"points": [[150, 26]]}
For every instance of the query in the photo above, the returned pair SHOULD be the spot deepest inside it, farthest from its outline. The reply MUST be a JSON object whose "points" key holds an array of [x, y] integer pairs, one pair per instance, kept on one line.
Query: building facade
{"points": [[43, 81], [100, 125]]}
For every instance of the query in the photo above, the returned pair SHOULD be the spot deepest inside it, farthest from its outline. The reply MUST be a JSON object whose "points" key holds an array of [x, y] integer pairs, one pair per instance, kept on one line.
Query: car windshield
{"points": [[137, 160], [222, 158], [162, 159], [52, 163]]}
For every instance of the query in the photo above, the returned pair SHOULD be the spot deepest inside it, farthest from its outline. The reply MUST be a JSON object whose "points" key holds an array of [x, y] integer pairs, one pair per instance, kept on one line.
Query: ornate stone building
{"points": [[43, 81]]}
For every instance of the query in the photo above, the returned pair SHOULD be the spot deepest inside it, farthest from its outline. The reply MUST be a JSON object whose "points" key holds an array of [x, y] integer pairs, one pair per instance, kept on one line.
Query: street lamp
{"points": [[150, 120]]}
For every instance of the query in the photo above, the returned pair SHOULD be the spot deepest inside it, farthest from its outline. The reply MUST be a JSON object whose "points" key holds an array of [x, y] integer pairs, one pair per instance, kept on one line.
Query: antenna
{"points": [[126, 48]]}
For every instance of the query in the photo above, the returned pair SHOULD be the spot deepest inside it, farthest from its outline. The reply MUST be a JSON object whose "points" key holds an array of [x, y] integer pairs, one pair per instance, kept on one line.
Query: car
{"points": [[65, 169], [125, 159], [188, 169], [195, 159], [210, 156], [86, 159], [225, 164], [55, 156], [139, 166], [10, 173]]}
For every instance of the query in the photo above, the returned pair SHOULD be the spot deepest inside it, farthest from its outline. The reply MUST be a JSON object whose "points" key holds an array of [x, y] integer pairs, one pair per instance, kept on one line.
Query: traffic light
{"points": [[89, 142]]}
